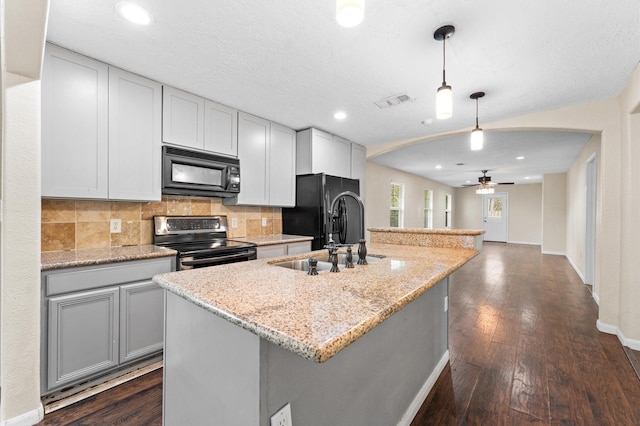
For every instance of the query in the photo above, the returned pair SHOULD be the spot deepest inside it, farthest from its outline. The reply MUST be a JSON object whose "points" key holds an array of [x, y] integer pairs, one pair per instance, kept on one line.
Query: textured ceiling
{"points": [[289, 61]]}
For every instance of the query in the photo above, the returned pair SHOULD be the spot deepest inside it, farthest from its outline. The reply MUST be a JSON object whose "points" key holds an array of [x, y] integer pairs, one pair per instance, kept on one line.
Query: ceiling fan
{"points": [[484, 181]]}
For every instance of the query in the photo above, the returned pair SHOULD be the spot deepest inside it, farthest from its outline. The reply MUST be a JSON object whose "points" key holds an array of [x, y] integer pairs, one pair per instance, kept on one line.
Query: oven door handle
{"points": [[217, 259]]}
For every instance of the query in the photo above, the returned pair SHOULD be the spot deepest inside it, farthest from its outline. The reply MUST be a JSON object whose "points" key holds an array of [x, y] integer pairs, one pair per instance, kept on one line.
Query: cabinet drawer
{"points": [[90, 277]]}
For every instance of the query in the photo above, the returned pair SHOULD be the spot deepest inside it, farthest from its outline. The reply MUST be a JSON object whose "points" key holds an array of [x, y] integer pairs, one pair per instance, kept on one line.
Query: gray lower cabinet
{"points": [[99, 319], [83, 335], [141, 320]]}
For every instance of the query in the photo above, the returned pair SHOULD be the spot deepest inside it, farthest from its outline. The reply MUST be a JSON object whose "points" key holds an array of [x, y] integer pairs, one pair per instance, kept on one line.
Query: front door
{"points": [[495, 214]]}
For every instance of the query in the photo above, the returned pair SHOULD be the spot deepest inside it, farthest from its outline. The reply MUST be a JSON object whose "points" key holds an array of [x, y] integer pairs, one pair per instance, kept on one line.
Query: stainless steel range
{"points": [[200, 241]]}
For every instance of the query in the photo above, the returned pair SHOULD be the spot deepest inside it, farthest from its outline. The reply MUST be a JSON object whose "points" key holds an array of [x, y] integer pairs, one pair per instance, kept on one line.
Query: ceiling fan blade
{"points": [[505, 183]]}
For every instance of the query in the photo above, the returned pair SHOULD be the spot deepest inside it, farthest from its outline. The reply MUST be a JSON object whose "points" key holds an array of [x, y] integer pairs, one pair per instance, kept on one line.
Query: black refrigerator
{"points": [[311, 216]]}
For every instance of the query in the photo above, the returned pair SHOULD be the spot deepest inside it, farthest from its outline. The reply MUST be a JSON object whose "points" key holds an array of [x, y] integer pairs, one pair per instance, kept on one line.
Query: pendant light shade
{"points": [[444, 102], [484, 190], [444, 95], [477, 136], [349, 13]]}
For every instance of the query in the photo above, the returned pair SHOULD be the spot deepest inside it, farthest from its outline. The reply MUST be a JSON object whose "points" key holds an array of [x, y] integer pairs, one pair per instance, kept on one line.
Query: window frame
{"points": [[448, 208], [400, 208], [428, 209]]}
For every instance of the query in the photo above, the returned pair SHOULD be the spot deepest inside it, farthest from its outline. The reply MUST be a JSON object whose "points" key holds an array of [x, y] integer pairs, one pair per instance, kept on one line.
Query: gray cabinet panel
{"points": [[141, 320], [68, 280], [83, 335]]}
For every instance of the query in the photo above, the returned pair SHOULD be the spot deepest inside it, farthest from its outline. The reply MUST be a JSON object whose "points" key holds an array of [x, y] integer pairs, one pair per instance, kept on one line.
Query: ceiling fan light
{"points": [[477, 139], [444, 102], [349, 13], [484, 190]]}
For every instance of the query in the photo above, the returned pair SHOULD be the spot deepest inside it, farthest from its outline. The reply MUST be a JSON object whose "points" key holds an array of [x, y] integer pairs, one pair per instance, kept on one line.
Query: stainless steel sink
{"points": [[323, 262], [303, 265], [343, 256]]}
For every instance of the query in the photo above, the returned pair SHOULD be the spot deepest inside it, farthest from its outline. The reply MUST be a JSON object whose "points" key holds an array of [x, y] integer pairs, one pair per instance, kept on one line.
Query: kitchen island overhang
{"points": [[378, 334]]}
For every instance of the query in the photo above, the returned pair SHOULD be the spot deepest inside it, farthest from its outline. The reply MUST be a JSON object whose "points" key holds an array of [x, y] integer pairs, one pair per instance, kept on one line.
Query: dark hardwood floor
{"points": [[524, 349]]}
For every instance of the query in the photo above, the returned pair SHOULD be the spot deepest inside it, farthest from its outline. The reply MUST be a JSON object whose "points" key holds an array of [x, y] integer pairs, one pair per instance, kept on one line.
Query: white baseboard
{"points": [[555, 253], [523, 243], [26, 419], [575, 268], [612, 329], [413, 409], [596, 298]]}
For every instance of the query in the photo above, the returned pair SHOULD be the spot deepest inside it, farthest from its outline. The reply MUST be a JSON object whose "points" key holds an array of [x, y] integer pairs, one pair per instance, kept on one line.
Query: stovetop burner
{"points": [[200, 240]]}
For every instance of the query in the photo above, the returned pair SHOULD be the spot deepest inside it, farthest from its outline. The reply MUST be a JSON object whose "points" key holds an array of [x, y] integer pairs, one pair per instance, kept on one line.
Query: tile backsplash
{"points": [[81, 224]]}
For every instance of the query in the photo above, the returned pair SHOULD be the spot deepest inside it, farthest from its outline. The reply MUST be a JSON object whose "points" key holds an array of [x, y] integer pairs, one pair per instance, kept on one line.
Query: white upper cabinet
{"points": [[282, 167], [321, 152], [135, 142], [220, 129], [359, 165], [182, 118], [100, 130], [253, 152], [74, 125], [267, 163], [191, 121]]}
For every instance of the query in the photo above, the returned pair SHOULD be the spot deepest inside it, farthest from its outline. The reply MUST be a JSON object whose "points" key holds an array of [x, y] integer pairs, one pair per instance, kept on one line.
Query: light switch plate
{"points": [[116, 226], [234, 222], [264, 221]]}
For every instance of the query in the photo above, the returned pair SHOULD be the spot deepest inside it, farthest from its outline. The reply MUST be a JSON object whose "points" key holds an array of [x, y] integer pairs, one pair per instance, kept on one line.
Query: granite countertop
{"points": [[430, 231], [72, 258], [269, 240], [316, 316]]}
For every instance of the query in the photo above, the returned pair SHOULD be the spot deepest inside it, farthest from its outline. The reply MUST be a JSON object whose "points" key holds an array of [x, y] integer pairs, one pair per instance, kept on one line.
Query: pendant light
{"points": [[349, 13], [477, 137], [444, 95]]}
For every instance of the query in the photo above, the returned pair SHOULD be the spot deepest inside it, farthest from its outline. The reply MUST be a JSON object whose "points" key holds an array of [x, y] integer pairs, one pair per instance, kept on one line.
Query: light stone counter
{"points": [[71, 258], [269, 240], [316, 316], [454, 238]]}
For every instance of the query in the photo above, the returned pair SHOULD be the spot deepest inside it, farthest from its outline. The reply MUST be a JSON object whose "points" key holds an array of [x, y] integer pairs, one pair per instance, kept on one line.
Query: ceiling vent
{"points": [[398, 99]]}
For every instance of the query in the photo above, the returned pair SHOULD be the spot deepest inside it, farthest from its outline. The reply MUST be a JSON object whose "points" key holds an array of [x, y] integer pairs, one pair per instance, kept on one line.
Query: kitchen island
{"points": [[362, 346]]}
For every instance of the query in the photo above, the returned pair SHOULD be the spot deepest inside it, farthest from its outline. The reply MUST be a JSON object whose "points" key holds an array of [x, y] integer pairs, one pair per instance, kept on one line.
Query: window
{"points": [[494, 209], [428, 208], [447, 211], [396, 219]]}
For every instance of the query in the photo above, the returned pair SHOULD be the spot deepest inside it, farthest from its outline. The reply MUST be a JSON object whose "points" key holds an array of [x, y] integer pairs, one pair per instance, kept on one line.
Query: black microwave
{"points": [[187, 172]]}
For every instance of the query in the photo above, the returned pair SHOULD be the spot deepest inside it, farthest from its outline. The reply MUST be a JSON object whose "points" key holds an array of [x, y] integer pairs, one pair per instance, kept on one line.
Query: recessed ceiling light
{"points": [[526, 177], [468, 181], [520, 158], [340, 115], [438, 166], [134, 13]]}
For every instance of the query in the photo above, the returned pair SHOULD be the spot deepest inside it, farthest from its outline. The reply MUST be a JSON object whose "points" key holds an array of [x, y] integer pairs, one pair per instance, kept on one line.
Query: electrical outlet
{"points": [[116, 226], [446, 303], [234, 222], [264, 221], [282, 417]]}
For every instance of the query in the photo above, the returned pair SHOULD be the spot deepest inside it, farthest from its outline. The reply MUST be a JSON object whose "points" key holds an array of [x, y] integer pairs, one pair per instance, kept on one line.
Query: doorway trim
{"points": [[591, 183], [485, 197]]}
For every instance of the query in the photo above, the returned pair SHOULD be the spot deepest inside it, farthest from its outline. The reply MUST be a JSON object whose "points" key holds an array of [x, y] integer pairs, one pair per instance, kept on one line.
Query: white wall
{"points": [[554, 213], [576, 205], [23, 24], [378, 194], [525, 211]]}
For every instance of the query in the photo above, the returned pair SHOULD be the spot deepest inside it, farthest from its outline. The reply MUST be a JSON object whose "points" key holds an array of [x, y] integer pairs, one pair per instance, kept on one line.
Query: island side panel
{"points": [[371, 382], [211, 368]]}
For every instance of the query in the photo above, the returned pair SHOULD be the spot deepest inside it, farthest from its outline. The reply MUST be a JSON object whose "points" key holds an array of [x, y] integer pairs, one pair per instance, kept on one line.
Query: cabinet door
{"points": [[82, 335], [282, 167], [141, 320], [253, 144], [135, 142], [359, 165], [340, 155], [182, 118], [265, 252], [74, 125], [220, 129]]}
